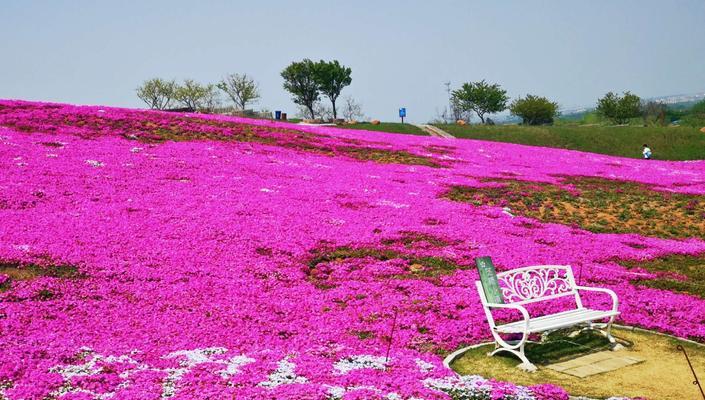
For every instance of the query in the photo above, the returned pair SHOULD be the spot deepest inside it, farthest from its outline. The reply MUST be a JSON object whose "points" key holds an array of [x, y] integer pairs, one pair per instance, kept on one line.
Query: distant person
{"points": [[646, 152]]}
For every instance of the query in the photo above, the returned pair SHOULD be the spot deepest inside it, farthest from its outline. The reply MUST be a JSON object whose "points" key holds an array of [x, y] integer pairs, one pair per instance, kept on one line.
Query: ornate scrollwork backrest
{"points": [[535, 282]]}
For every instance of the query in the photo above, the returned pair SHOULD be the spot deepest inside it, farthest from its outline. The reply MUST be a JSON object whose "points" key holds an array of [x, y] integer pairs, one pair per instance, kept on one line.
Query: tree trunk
{"points": [[335, 114], [482, 117], [310, 109]]}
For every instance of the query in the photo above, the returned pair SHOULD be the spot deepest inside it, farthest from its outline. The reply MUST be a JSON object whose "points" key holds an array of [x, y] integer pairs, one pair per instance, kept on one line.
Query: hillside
{"points": [[668, 143], [157, 255]]}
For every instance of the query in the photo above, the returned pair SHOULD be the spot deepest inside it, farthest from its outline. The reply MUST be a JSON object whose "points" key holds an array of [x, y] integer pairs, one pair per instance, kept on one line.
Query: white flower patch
{"points": [[191, 358], [336, 221], [523, 393], [359, 362], [284, 375], [424, 366], [266, 190], [89, 367], [196, 356], [373, 176], [337, 392], [136, 149], [232, 366], [52, 155], [4, 386], [472, 385], [22, 247], [389, 203], [95, 163]]}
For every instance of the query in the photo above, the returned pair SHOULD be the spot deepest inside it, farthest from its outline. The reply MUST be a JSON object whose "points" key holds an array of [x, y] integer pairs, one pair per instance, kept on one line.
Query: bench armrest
{"points": [[613, 295], [518, 307]]}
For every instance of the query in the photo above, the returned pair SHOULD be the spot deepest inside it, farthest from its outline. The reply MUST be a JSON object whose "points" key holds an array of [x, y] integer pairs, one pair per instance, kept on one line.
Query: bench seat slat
{"points": [[555, 321]]}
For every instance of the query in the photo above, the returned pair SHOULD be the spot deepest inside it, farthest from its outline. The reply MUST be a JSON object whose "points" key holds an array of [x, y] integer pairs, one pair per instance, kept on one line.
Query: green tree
{"points": [[619, 109], [331, 78], [300, 81], [534, 110], [654, 111], [629, 107], [481, 98], [698, 108], [157, 93], [607, 105], [695, 116], [242, 89], [196, 96]]}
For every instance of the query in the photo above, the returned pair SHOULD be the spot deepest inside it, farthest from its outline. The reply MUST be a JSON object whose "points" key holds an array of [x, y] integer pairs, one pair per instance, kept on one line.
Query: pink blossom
{"points": [[193, 282]]}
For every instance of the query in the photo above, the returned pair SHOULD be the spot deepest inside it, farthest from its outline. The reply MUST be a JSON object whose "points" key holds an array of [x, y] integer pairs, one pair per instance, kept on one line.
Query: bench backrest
{"points": [[536, 283], [525, 285]]}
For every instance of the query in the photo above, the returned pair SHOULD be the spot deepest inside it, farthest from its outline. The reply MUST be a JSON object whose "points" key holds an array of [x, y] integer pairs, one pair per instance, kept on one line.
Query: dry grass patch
{"points": [[23, 272], [319, 265], [664, 375], [595, 204]]}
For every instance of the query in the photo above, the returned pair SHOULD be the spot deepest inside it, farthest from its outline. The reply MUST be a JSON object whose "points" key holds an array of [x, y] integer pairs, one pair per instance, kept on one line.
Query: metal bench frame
{"points": [[541, 283]]}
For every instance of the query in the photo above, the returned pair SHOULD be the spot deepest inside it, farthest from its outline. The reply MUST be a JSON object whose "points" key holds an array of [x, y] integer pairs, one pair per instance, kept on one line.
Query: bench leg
{"points": [[525, 365], [609, 331]]}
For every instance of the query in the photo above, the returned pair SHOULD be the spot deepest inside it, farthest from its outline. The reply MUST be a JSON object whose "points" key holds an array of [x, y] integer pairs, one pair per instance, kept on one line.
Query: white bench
{"points": [[540, 283]]}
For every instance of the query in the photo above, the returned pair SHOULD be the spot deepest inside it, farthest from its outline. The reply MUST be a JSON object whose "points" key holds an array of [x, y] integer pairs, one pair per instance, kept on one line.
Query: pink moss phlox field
{"points": [[194, 265]]}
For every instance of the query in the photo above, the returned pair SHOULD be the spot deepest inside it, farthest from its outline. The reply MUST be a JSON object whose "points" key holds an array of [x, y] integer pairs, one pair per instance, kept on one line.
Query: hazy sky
{"points": [[400, 52]]}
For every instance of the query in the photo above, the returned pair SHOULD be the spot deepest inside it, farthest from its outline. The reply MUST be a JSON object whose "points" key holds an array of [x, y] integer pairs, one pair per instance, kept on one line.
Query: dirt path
{"points": [[435, 131]]}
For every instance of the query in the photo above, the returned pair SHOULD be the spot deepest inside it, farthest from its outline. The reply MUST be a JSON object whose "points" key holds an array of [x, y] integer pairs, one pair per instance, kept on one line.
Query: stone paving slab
{"points": [[595, 363]]}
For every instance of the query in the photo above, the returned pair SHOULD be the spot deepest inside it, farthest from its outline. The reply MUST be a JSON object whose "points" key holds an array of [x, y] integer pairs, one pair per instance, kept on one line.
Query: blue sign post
{"points": [[402, 114]]}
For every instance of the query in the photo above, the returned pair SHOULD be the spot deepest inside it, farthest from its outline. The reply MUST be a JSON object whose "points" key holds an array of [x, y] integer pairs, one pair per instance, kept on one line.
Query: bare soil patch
{"points": [[595, 204]]}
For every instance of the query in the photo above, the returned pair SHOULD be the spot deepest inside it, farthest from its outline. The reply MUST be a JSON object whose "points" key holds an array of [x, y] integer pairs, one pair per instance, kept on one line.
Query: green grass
{"points": [[692, 267], [667, 143], [391, 127]]}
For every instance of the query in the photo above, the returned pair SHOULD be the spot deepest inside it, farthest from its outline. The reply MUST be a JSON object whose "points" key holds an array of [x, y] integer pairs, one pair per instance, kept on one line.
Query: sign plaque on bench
{"points": [[488, 277]]}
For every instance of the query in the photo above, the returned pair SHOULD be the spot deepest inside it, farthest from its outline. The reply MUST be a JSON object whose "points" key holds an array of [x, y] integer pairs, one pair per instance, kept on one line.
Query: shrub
{"points": [[619, 109], [534, 110]]}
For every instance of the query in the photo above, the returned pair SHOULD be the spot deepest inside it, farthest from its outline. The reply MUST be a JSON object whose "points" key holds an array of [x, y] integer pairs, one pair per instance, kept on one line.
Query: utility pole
{"points": [[450, 106]]}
